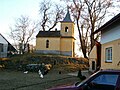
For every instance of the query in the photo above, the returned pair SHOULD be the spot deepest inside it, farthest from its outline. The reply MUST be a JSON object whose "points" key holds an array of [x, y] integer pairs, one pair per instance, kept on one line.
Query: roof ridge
{"points": [[67, 17]]}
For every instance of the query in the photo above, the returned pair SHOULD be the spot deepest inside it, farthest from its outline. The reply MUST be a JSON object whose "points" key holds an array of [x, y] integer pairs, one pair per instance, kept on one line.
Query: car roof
{"points": [[102, 71], [106, 71], [110, 70]]}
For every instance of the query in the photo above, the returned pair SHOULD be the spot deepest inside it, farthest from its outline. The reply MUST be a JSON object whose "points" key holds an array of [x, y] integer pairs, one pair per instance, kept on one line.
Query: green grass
{"points": [[17, 80], [56, 60]]}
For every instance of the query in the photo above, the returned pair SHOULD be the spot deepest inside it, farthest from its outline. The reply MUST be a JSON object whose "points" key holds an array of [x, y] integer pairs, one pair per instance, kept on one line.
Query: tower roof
{"points": [[67, 17]]}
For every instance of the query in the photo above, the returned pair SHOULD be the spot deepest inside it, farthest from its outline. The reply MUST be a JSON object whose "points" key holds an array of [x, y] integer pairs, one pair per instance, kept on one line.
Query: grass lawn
{"points": [[17, 80]]}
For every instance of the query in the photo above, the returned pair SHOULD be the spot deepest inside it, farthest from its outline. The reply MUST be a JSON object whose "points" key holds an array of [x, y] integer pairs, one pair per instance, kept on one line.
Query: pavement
{"points": [[84, 73]]}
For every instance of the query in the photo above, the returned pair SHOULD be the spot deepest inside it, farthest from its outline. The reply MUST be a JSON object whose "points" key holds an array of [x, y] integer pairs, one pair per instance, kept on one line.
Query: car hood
{"points": [[65, 88]]}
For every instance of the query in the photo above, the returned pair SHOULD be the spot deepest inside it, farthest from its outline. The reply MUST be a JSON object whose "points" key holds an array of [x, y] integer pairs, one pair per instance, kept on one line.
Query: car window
{"points": [[102, 82], [106, 79]]}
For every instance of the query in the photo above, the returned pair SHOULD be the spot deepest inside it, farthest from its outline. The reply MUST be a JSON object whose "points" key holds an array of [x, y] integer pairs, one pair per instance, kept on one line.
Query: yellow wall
{"points": [[70, 29], [115, 55], [67, 45], [54, 43], [63, 44], [93, 53], [92, 57]]}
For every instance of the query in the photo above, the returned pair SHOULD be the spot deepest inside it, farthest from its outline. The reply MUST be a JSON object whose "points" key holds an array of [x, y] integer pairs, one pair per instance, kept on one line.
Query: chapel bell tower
{"points": [[67, 26]]}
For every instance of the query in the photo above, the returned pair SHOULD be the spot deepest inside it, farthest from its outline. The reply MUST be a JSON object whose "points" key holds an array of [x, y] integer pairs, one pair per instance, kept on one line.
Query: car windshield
{"points": [[84, 81], [106, 79]]}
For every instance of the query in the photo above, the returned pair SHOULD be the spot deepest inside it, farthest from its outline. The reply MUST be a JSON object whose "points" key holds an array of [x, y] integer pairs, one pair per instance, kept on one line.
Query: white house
{"points": [[5, 47], [110, 41]]}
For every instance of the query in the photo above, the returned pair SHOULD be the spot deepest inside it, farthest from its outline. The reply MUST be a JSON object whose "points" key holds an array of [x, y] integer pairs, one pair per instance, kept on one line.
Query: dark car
{"points": [[101, 80]]}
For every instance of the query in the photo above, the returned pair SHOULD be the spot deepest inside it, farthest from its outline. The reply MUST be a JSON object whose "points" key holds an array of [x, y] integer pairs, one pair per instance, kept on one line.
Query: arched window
{"points": [[66, 29], [47, 43]]}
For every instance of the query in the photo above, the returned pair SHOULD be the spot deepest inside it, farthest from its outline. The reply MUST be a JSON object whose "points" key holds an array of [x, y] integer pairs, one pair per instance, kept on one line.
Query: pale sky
{"points": [[10, 10]]}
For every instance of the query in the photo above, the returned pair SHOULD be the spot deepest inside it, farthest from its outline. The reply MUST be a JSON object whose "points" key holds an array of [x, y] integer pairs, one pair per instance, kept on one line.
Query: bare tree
{"points": [[96, 13], [23, 32], [51, 14], [89, 15]]}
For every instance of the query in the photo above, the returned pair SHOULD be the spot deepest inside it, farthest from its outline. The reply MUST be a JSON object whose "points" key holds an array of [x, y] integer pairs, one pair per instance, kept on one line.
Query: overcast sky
{"points": [[13, 9], [10, 10]]}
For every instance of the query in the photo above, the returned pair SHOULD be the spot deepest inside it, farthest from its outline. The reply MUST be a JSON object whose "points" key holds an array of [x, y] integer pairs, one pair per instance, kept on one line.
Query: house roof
{"points": [[10, 47], [48, 34], [109, 23], [51, 34], [67, 17]]}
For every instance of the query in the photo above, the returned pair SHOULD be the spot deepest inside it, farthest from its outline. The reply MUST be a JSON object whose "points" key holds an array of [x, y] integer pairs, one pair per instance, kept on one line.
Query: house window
{"points": [[1, 47], [66, 29], [108, 56], [47, 43], [93, 65]]}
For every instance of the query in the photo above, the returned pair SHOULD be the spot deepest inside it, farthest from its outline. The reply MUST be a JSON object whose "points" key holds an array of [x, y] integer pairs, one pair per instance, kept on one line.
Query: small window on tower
{"points": [[66, 29], [47, 43]]}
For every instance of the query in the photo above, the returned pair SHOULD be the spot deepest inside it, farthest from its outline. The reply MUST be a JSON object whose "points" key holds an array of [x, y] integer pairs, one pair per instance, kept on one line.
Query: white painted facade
{"points": [[5, 46], [110, 43], [110, 35], [110, 38]]}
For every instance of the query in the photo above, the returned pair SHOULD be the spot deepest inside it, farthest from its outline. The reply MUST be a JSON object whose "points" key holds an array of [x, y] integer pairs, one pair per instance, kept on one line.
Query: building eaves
{"points": [[10, 47], [109, 23], [68, 37], [48, 34]]}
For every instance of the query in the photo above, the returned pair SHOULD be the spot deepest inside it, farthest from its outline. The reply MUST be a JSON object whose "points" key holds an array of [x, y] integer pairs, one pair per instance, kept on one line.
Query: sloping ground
{"points": [[17, 80], [57, 76], [59, 63]]}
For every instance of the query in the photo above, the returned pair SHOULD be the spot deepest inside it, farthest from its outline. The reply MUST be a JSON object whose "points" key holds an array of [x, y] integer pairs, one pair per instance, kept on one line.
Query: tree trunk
{"points": [[83, 46]]}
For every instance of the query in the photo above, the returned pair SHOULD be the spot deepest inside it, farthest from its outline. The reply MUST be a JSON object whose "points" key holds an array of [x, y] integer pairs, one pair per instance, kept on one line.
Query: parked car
{"points": [[101, 80]]}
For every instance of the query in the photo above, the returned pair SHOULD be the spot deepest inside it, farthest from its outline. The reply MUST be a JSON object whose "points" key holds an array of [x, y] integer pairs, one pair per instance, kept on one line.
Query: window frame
{"points": [[108, 54], [66, 29], [47, 43]]}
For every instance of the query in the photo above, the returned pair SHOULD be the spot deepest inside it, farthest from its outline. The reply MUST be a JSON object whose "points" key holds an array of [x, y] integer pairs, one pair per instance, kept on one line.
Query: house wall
{"points": [[54, 45], [115, 64], [63, 46], [111, 38], [112, 33], [92, 58], [67, 46], [5, 46], [70, 29]]}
